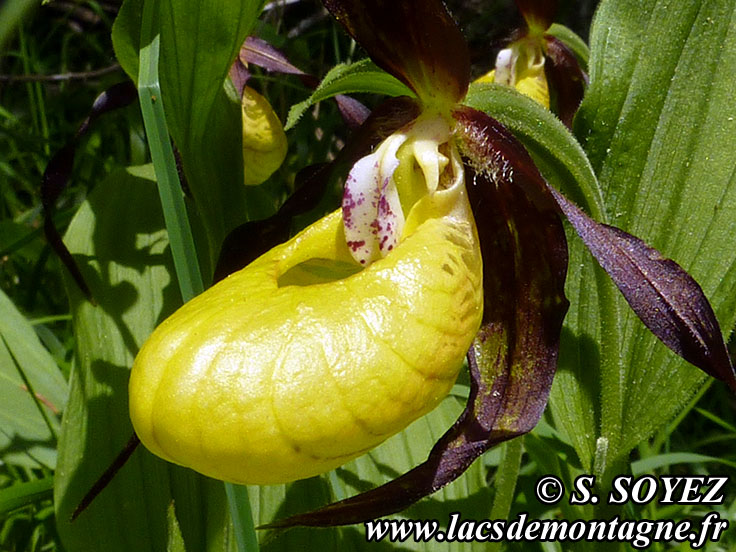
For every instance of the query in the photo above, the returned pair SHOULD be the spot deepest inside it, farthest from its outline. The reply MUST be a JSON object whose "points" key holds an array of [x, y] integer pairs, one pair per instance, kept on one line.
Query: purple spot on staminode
{"points": [[355, 245]]}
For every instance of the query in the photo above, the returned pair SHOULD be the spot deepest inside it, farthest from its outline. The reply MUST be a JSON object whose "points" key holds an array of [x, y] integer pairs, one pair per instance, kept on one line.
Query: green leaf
{"points": [[361, 76], [23, 494], [658, 124], [126, 34], [176, 541], [27, 424], [119, 235], [648, 465]]}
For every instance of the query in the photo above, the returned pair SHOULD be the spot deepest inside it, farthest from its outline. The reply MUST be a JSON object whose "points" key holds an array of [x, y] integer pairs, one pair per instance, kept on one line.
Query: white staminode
{"points": [[371, 208], [520, 60], [505, 62]]}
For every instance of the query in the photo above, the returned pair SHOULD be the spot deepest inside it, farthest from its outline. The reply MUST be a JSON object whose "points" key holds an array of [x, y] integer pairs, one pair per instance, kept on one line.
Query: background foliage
{"points": [[652, 152]]}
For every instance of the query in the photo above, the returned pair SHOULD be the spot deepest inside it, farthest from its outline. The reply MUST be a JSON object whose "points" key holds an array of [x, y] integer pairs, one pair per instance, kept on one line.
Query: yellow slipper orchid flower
{"points": [[304, 359]]}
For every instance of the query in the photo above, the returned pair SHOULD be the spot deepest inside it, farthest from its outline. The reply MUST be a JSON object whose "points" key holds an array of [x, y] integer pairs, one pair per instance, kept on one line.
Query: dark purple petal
{"points": [[567, 79], [525, 263], [239, 76], [59, 170], [415, 40], [538, 13], [353, 112], [514, 357], [665, 297], [250, 240], [259, 52]]}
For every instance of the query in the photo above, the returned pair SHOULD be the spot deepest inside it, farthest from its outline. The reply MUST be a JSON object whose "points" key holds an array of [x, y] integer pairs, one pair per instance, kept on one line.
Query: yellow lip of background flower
{"points": [[267, 377], [264, 140], [521, 66]]}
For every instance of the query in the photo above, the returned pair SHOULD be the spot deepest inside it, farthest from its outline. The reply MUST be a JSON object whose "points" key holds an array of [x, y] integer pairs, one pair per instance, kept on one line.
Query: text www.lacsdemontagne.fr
{"points": [[638, 533]]}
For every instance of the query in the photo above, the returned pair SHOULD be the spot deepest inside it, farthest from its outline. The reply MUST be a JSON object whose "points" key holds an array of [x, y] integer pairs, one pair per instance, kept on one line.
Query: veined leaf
{"points": [[25, 435], [658, 124], [361, 76]]}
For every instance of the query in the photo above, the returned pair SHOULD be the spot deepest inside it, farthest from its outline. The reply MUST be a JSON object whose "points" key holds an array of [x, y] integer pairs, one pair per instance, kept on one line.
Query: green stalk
{"points": [[181, 240], [505, 483], [164, 164]]}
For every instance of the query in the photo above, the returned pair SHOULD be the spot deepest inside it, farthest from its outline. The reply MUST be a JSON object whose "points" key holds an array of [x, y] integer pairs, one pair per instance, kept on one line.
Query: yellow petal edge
{"points": [[272, 375]]}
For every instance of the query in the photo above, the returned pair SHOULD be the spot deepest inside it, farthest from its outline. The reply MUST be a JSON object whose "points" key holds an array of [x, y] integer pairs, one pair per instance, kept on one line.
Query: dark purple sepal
{"points": [[259, 52], [665, 297], [525, 257], [416, 41], [514, 356], [59, 170], [239, 76], [352, 111], [250, 240], [538, 13], [567, 80]]}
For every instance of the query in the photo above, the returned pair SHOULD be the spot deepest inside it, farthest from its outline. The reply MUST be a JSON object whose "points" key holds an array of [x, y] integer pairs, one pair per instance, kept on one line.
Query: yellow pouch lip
{"points": [[430, 221]]}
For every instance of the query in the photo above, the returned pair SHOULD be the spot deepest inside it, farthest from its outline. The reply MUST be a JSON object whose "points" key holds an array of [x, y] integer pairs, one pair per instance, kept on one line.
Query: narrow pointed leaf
{"points": [[26, 438], [414, 40], [665, 297], [514, 356]]}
